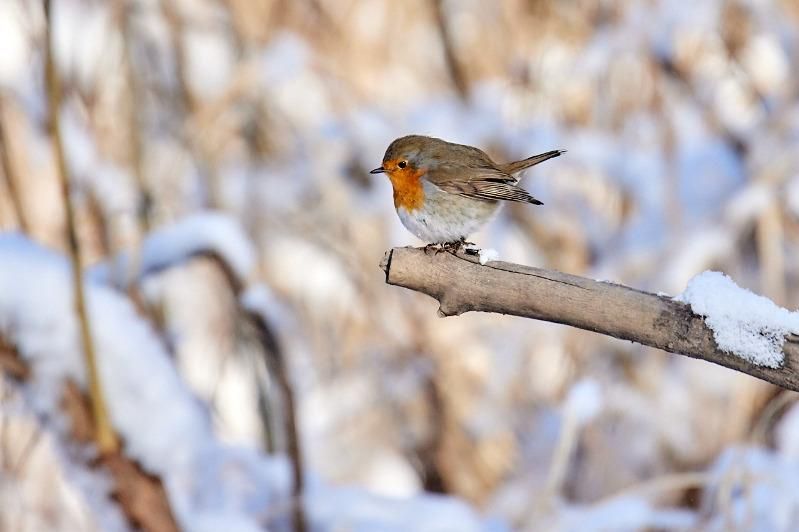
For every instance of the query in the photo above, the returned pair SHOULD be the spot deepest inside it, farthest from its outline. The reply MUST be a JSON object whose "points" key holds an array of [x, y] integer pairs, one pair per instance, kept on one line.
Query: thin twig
{"points": [[205, 159], [105, 438], [145, 203], [563, 451], [758, 433], [12, 180], [275, 361], [27, 450], [655, 486], [456, 71]]}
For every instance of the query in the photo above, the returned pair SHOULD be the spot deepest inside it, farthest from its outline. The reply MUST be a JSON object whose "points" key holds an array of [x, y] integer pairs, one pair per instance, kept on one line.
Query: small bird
{"points": [[443, 192]]}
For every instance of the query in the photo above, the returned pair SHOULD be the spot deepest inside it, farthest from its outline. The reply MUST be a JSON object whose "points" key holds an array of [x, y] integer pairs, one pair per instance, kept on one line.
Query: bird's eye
{"points": [[402, 164]]}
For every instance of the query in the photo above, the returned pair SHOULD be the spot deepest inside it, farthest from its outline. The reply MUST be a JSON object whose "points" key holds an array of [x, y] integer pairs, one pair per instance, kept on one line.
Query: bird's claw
{"points": [[452, 247], [436, 248]]}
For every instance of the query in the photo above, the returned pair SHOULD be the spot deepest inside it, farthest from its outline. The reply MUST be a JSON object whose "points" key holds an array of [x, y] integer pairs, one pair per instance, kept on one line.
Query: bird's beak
{"points": [[377, 171]]}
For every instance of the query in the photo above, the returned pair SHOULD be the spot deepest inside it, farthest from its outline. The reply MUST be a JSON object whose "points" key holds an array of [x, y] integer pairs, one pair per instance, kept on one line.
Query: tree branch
{"points": [[461, 284]]}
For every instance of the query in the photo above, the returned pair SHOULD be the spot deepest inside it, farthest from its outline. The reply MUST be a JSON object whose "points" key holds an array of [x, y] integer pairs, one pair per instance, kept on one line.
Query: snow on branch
{"points": [[727, 326], [743, 323]]}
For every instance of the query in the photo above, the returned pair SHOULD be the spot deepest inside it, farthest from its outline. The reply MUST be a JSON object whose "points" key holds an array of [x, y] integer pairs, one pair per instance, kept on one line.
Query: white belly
{"points": [[446, 217]]}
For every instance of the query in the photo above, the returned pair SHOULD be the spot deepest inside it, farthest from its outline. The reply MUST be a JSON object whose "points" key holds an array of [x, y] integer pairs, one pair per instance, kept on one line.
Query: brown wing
{"points": [[487, 184]]}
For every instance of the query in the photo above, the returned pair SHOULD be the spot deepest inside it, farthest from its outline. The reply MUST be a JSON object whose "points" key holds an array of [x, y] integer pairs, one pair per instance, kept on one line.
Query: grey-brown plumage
{"points": [[466, 170], [443, 191]]}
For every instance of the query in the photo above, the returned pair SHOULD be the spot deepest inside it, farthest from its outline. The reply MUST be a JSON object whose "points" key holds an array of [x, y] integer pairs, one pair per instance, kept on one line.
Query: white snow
{"points": [[488, 255], [209, 62], [15, 57], [645, 169], [37, 315], [162, 425], [199, 233], [757, 489], [584, 400], [86, 44], [624, 513], [744, 324], [787, 433]]}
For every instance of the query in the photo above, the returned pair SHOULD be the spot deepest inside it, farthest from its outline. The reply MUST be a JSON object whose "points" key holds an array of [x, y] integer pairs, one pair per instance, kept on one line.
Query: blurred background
{"points": [[681, 121]]}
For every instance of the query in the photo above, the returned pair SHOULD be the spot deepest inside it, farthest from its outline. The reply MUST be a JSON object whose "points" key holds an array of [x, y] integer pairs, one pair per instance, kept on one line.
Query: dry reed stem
{"points": [[563, 451], [658, 485], [12, 179], [275, 362], [105, 437], [454, 67], [144, 207]]}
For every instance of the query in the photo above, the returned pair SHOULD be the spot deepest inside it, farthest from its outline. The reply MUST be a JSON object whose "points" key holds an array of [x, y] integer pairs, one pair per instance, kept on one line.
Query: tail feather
{"points": [[518, 166]]}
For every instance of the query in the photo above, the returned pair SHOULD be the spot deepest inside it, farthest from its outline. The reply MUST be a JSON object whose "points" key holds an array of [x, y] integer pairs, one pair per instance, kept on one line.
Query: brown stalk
{"points": [[105, 438], [124, 19], [275, 363], [454, 67], [12, 179]]}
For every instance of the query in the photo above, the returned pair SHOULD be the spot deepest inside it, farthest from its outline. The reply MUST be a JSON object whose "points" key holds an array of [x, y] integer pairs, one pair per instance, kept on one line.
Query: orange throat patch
{"points": [[408, 189]]}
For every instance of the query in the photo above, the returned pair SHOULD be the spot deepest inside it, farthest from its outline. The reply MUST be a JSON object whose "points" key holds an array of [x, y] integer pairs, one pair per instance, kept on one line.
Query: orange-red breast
{"points": [[443, 192]]}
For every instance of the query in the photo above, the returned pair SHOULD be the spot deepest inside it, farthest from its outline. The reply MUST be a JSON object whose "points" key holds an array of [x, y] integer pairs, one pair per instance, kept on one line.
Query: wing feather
{"points": [[489, 185]]}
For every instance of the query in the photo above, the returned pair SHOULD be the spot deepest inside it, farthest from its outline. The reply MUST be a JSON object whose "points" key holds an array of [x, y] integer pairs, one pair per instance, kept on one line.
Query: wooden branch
{"points": [[461, 284], [140, 495]]}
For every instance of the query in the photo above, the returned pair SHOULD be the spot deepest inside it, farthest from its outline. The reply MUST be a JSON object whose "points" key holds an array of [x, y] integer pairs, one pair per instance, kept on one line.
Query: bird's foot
{"points": [[469, 248], [453, 247], [460, 245], [432, 248]]}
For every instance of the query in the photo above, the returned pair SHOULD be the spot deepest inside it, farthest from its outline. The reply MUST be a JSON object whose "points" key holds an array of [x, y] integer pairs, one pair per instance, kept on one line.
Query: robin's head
{"points": [[405, 161], [408, 155]]}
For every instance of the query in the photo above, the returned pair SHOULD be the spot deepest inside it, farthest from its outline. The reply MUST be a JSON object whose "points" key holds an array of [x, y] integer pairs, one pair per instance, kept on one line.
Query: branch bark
{"points": [[461, 284]]}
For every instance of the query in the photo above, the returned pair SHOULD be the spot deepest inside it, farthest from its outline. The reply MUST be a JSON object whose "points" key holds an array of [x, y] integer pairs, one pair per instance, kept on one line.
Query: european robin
{"points": [[443, 192]]}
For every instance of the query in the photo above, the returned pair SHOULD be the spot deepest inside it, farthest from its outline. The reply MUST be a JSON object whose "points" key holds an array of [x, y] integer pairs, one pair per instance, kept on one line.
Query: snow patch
{"points": [[744, 324], [584, 401], [488, 255], [205, 232], [162, 425]]}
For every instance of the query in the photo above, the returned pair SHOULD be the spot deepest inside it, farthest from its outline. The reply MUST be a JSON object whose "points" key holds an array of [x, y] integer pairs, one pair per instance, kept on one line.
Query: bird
{"points": [[444, 192]]}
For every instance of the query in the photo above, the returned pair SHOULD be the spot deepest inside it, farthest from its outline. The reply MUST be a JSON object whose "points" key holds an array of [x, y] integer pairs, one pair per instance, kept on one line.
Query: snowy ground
{"points": [[257, 123]]}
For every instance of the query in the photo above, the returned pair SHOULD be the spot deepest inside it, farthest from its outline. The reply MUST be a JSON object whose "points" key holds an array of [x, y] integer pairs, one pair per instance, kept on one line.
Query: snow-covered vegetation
{"points": [[219, 156]]}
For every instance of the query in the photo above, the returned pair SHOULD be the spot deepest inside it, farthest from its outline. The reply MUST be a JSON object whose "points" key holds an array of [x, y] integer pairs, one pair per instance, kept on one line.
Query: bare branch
{"points": [[461, 284]]}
